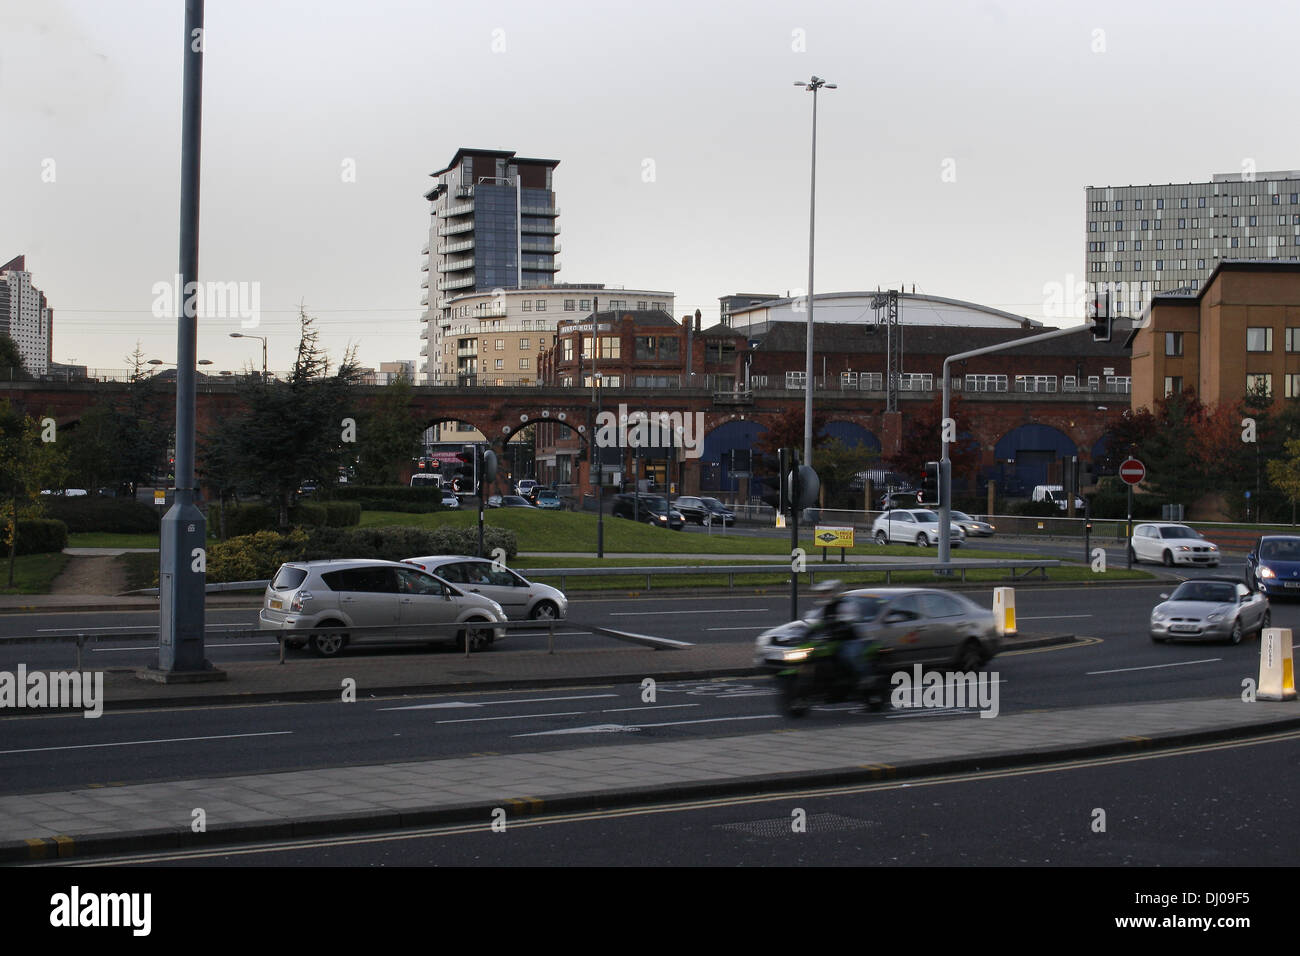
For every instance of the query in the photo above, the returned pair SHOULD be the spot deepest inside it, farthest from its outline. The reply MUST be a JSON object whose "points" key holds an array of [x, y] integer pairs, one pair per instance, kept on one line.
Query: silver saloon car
{"points": [[925, 626], [1209, 609], [523, 600]]}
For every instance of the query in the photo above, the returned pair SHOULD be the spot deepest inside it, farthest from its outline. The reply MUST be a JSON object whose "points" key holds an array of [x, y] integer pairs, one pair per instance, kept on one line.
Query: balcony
{"points": [[445, 284], [425, 283], [424, 299], [464, 209], [456, 229], [464, 192], [446, 248], [490, 311], [470, 352], [424, 250], [551, 211], [456, 265], [540, 265], [540, 229], [545, 248]]}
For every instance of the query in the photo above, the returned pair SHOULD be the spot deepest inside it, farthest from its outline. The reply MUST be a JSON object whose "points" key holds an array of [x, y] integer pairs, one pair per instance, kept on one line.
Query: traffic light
{"points": [[778, 497], [1099, 315], [463, 479], [929, 493]]}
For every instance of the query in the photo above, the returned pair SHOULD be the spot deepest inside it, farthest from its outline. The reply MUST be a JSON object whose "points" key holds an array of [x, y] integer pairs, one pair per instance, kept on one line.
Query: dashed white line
{"points": [[485, 703]]}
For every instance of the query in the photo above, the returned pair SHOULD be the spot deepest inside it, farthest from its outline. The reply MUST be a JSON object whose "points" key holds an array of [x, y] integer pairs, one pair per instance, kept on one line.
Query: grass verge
{"points": [[104, 539], [33, 573]]}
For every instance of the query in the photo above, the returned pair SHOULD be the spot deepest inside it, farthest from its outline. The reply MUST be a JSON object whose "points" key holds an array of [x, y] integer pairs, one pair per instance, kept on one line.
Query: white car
{"points": [[449, 500], [913, 526], [523, 600], [1172, 544]]}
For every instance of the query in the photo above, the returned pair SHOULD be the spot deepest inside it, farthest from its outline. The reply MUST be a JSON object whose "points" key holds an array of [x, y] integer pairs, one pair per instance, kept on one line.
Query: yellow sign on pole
{"points": [[833, 536], [159, 497]]}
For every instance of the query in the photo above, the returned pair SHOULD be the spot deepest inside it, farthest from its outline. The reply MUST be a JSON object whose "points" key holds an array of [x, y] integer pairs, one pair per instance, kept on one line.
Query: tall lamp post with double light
{"points": [[244, 335], [812, 86]]}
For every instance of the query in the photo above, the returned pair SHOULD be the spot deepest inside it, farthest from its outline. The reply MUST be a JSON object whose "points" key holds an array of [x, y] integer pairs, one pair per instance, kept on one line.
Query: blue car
{"points": [[1274, 562]]}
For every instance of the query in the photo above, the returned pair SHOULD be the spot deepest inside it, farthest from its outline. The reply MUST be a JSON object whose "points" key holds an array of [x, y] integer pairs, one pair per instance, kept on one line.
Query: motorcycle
{"points": [[818, 675]]}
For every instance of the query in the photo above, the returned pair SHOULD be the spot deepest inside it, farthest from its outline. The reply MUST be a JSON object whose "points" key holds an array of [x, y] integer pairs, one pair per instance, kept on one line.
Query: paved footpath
{"points": [[157, 815]]}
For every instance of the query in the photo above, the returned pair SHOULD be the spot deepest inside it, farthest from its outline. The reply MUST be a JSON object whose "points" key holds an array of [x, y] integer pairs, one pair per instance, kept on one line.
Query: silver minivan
{"points": [[319, 602]]}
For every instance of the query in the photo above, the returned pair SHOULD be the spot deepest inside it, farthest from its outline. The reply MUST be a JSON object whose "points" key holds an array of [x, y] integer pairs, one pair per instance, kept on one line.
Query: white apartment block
{"points": [[1143, 240], [25, 317]]}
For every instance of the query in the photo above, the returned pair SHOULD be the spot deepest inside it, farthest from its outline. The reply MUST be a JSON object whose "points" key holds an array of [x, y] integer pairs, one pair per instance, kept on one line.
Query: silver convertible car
{"points": [[1209, 609]]}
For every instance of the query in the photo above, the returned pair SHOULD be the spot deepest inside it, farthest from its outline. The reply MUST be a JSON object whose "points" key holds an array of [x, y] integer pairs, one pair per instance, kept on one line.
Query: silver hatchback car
{"points": [[321, 601], [523, 600]]}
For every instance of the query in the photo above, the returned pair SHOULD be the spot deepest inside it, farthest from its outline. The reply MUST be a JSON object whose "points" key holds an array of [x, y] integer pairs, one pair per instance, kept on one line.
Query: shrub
{"points": [[307, 513], [41, 536], [425, 495], [342, 514], [243, 519], [252, 557], [114, 515]]}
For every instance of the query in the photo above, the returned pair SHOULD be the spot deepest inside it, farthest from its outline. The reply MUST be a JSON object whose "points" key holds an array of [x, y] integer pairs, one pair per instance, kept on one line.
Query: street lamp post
{"points": [[600, 469], [243, 335], [812, 86]]}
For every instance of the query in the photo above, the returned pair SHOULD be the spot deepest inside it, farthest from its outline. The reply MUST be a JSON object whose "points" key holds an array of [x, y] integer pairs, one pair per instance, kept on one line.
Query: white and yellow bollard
{"points": [[1004, 610], [1276, 665]]}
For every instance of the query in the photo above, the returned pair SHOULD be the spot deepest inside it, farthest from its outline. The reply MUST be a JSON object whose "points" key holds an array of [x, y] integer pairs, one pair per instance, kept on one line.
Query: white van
{"points": [[1056, 495]]}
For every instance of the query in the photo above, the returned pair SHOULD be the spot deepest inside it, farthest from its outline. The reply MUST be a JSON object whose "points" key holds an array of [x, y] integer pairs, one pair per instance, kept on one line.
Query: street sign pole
{"points": [[1128, 531]]}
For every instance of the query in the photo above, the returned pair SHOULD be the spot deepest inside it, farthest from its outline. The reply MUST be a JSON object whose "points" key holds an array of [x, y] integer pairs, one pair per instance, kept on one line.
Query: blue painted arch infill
{"points": [[852, 435], [715, 467], [1032, 450]]}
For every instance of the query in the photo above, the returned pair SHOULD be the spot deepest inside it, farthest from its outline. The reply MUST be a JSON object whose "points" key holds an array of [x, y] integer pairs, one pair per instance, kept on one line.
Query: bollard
{"points": [[1004, 610], [1276, 665]]}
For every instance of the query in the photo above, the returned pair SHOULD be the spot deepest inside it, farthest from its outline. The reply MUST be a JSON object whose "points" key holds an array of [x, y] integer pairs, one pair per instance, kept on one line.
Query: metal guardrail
{"points": [[731, 570]]}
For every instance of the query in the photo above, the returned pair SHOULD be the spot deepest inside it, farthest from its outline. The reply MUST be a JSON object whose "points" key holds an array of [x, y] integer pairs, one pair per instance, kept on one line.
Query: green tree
{"points": [[838, 464], [93, 448], [27, 464], [388, 436], [1284, 473], [923, 439], [291, 430], [11, 360]]}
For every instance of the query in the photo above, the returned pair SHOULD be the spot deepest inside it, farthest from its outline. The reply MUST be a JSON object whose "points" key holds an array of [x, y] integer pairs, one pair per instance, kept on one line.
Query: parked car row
{"points": [[324, 601]]}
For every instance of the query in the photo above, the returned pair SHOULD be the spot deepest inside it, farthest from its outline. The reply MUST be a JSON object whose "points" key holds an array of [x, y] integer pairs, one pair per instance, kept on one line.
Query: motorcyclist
{"points": [[855, 652]]}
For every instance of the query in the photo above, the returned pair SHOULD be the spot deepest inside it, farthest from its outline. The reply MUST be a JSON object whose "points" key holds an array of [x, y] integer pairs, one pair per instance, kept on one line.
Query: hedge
{"points": [[41, 536], [93, 513], [257, 556], [252, 517]]}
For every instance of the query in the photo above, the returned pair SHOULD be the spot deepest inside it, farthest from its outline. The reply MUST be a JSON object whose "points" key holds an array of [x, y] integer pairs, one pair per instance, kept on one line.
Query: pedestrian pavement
{"points": [[142, 817]]}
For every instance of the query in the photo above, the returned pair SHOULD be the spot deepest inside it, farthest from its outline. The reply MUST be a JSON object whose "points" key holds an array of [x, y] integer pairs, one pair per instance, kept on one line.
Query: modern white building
{"points": [[859, 308], [1144, 240], [25, 317]]}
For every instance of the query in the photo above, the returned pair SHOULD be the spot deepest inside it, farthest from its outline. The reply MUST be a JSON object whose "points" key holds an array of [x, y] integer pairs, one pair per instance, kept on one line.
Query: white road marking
{"points": [[1150, 667], [475, 720], [154, 647], [607, 728], [133, 743], [1054, 617], [616, 710], [746, 610], [932, 712], [485, 703]]}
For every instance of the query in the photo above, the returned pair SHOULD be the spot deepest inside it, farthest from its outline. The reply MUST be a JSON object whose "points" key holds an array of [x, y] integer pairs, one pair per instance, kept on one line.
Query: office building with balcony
{"points": [[26, 317], [1144, 241]]}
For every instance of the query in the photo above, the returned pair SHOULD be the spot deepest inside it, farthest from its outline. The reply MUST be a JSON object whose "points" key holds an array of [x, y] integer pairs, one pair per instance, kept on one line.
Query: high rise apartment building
{"points": [[493, 226], [1148, 240], [25, 317]]}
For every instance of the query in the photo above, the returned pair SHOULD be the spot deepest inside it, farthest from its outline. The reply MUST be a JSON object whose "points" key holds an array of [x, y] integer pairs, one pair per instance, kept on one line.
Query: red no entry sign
{"points": [[1132, 471]]}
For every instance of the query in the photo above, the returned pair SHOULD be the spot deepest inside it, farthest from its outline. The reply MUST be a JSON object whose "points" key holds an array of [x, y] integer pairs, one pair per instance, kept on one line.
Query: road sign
{"points": [[1132, 471], [833, 536], [159, 497]]}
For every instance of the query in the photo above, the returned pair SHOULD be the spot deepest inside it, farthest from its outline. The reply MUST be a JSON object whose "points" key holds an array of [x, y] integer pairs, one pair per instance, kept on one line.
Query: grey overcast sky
{"points": [[683, 145]]}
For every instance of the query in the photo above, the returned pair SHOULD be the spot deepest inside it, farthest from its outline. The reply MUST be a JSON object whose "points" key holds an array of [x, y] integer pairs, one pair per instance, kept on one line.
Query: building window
{"points": [[1196, 243], [1182, 203], [641, 306], [1295, 197], [986, 383], [584, 305], [1178, 244], [1160, 204], [568, 350], [523, 365], [1196, 224], [1137, 265], [1119, 205], [1276, 199], [1092, 227], [1160, 244], [1160, 265], [1251, 242], [1173, 385], [524, 344], [1035, 383], [1119, 224], [611, 347], [1200, 263], [1236, 221], [499, 363], [1236, 200], [1173, 343], [1253, 218], [1260, 384], [1119, 246], [528, 305], [1200, 203], [1259, 340], [1292, 385], [1158, 222], [500, 345], [1182, 223], [541, 305], [1137, 245], [795, 380], [1234, 242], [617, 304], [1137, 204], [1293, 339], [1182, 264], [1146, 223], [570, 305], [1254, 200]]}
